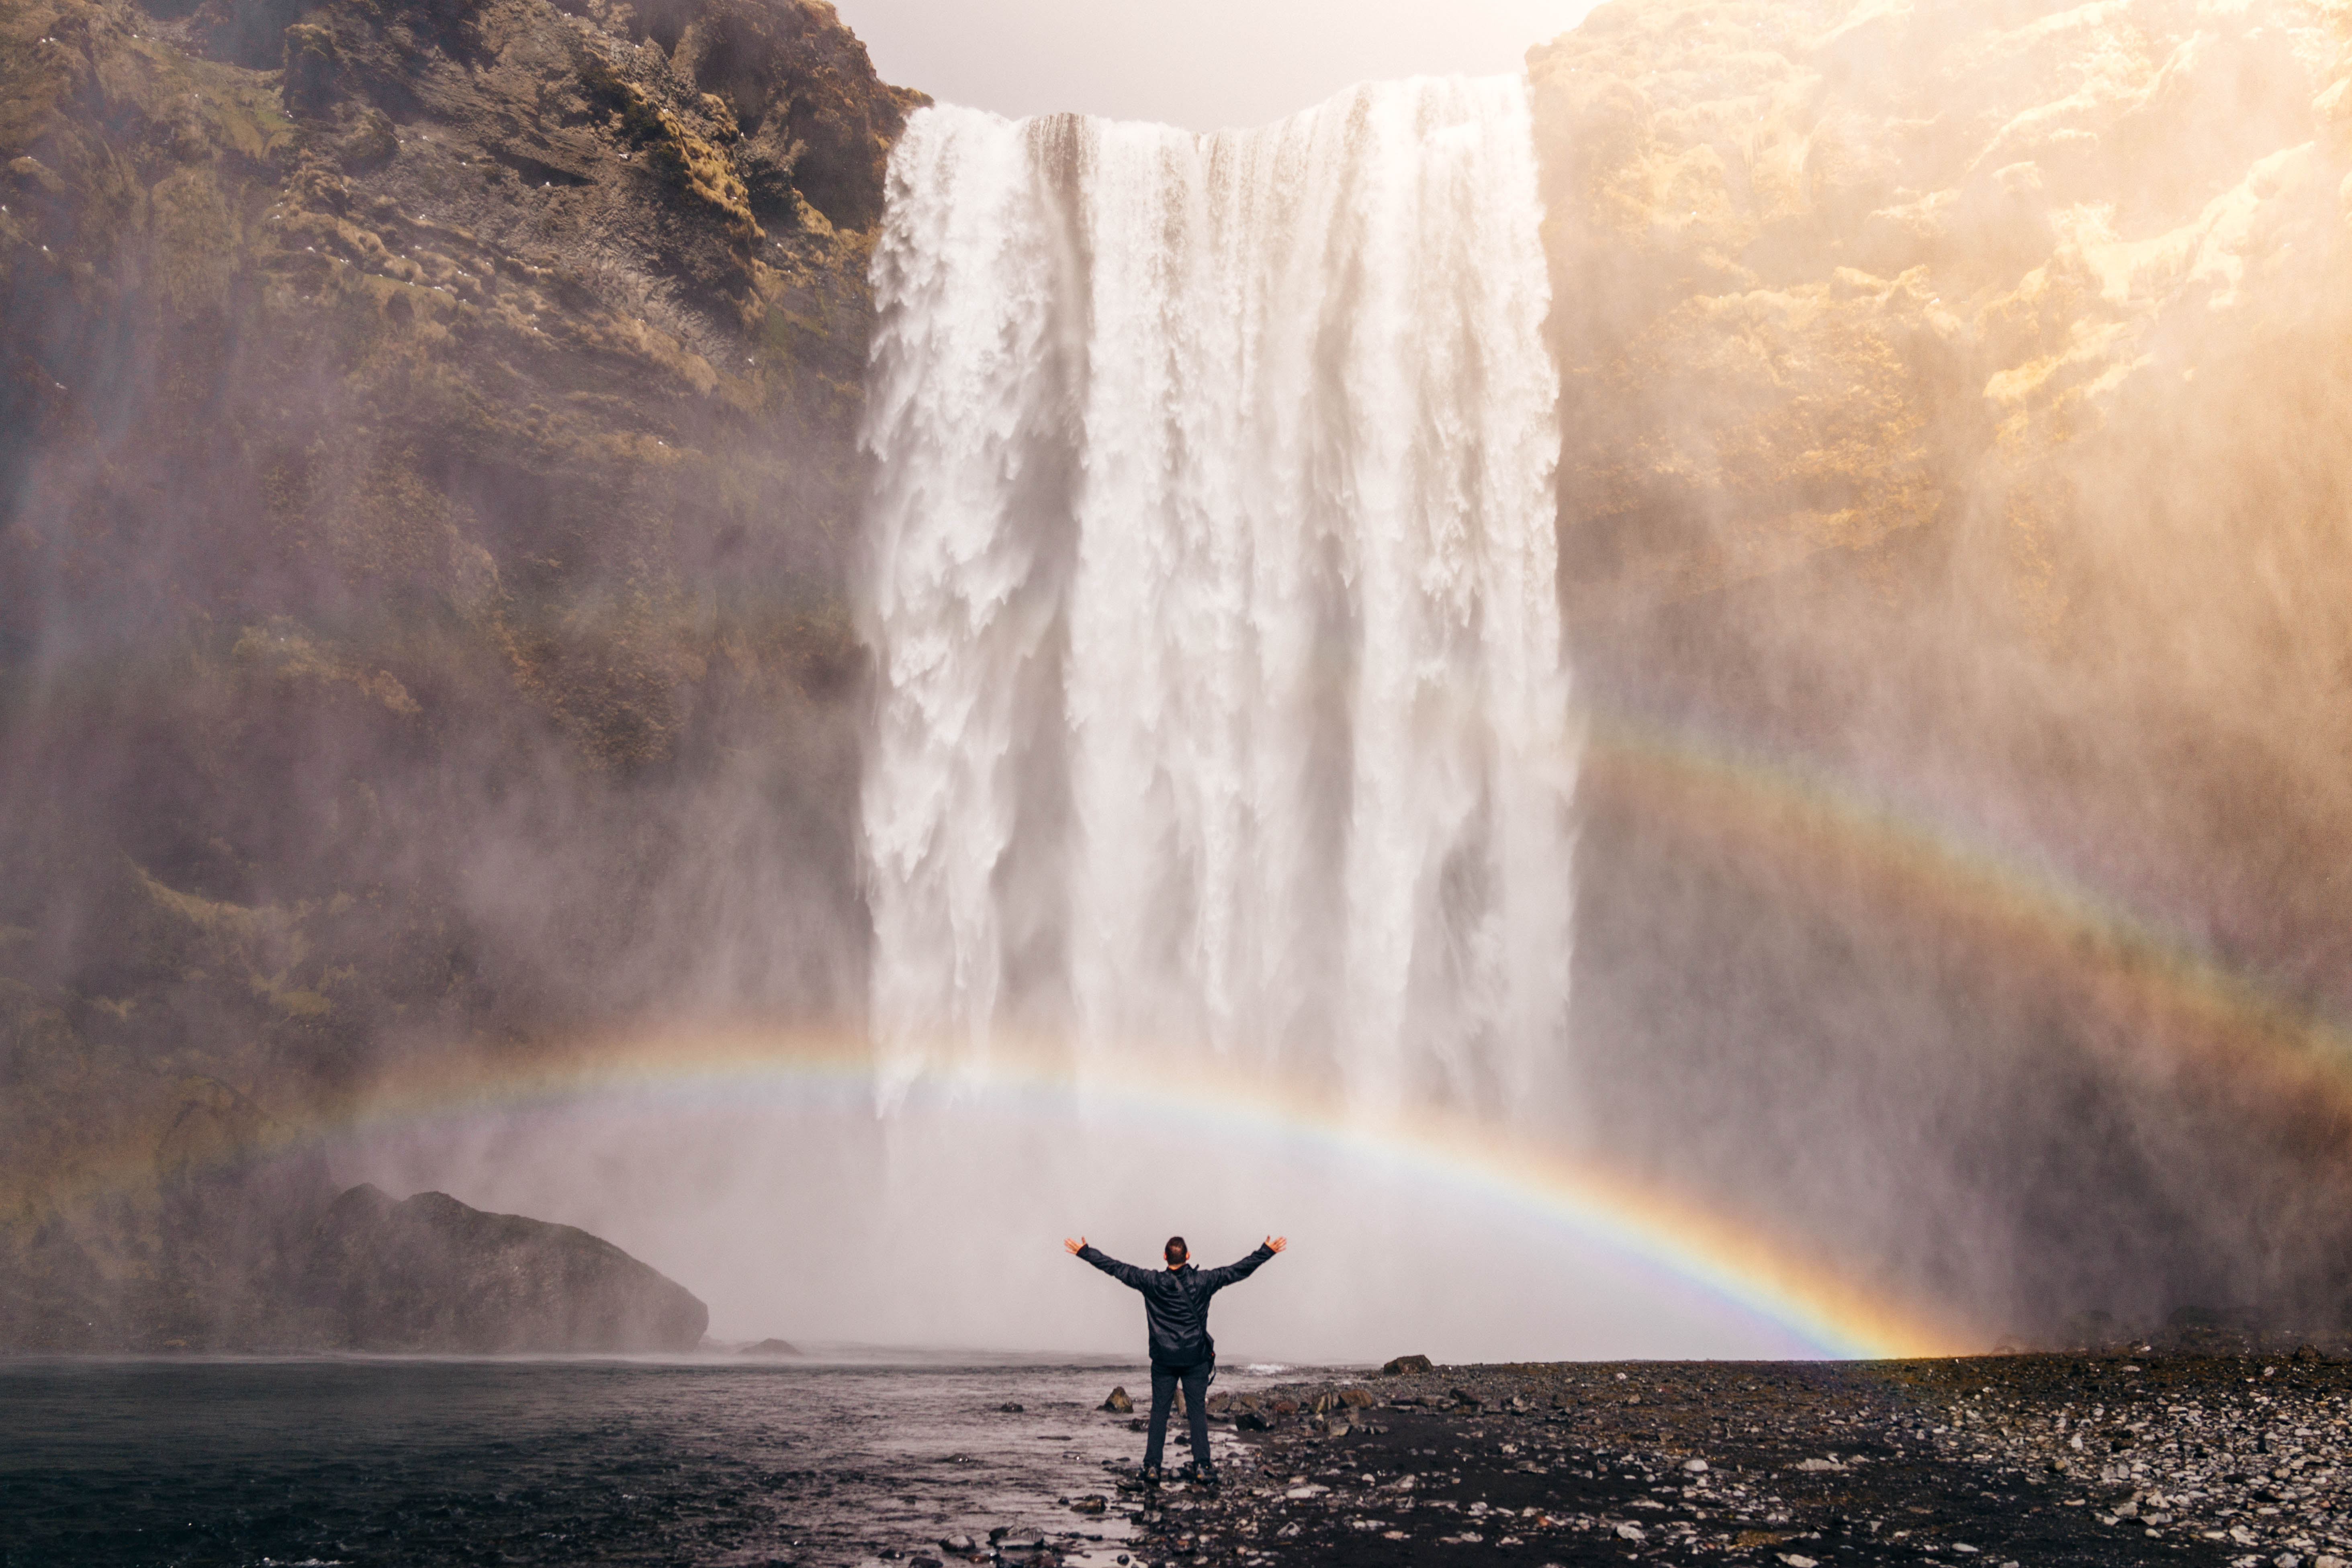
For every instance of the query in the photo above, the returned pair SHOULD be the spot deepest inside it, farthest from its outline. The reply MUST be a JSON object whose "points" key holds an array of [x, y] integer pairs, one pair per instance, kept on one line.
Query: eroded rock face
{"points": [[1955, 510], [427, 476], [430, 1274]]}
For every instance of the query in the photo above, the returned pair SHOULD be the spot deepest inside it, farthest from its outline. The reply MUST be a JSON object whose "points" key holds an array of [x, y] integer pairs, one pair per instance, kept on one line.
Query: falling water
{"points": [[1221, 702]]}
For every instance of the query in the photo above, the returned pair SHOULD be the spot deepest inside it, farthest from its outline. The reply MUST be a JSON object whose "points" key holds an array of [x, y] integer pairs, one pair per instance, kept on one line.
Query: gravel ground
{"points": [[2026, 1459]]}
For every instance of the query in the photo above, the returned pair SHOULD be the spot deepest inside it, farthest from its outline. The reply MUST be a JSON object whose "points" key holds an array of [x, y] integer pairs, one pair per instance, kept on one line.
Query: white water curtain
{"points": [[1222, 700]]}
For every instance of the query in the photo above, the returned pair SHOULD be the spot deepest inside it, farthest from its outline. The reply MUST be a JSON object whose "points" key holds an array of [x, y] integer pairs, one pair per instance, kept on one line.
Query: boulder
{"points": [[770, 1349], [1118, 1404], [431, 1274], [1404, 1365]]}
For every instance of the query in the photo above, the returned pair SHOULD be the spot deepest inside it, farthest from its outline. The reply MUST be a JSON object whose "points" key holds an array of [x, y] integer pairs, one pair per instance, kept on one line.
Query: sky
{"points": [[1204, 65]]}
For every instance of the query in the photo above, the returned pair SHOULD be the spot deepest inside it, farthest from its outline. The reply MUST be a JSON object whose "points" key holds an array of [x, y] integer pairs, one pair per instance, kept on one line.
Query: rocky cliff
{"points": [[427, 466], [1957, 532]]}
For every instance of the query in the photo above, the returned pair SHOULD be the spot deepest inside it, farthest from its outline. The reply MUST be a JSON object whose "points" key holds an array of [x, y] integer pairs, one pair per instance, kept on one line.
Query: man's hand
{"points": [[1276, 1243], [1075, 1246]]}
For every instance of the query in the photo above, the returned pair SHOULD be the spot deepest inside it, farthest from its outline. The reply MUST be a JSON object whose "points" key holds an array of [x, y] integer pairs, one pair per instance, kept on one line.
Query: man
{"points": [[1176, 1309]]}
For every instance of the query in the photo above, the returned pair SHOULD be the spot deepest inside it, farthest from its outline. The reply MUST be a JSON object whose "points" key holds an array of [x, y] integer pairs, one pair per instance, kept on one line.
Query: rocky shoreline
{"points": [[2106, 1458]]}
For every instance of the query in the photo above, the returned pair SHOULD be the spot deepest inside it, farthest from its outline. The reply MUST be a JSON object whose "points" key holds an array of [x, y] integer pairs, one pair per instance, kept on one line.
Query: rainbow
{"points": [[1731, 1270], [2185, 1010], [1700, 1256]]}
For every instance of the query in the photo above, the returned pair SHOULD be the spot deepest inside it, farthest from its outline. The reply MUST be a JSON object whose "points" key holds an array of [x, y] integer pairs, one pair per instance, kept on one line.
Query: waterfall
{"points": [[1222, 703]]}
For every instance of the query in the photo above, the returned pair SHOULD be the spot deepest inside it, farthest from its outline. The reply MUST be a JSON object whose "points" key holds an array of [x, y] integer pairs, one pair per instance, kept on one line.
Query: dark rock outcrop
{"points": [[431, 1274], [232, 1238]]}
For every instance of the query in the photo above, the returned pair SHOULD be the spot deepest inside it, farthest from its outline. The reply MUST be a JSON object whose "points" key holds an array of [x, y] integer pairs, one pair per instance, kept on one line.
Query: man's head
{"points": [[1175, 1252]]}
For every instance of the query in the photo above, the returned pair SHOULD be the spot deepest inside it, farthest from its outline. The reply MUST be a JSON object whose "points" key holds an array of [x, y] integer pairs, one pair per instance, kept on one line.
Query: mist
{"points": [[444, 622], [944, 1230]]}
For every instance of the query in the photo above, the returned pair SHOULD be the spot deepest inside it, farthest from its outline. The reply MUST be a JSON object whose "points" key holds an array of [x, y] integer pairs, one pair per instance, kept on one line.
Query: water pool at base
{"points": [[372, 1461]]}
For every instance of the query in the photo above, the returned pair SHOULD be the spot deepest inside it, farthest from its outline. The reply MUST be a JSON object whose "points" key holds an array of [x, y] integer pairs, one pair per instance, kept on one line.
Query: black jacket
{"points": [[1176, 1302]]}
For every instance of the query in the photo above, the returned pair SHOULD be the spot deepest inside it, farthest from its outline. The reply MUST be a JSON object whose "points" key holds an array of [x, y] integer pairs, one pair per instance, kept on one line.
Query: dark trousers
{"points": [[1195, 1379]]}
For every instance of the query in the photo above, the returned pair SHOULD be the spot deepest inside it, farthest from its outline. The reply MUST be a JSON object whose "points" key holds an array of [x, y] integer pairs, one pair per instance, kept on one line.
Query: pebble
{"points": [[2218, 1449], [1998, 1459], [1994, 1458]]}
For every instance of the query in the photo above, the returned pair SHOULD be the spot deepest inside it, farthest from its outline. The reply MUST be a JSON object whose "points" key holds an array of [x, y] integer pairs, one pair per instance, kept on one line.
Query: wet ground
{"points": [[2044, 1459], [2038, 1459], [385, 1461]]}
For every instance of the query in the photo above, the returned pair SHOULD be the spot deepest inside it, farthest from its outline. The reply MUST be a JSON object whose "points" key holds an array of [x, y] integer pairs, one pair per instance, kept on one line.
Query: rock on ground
{"points": [[2030, 1459]]}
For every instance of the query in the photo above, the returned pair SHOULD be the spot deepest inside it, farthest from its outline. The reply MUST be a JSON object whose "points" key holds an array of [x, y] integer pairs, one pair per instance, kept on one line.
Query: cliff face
{"points": [[1957, 532], [427, 467], [2021, 328]]}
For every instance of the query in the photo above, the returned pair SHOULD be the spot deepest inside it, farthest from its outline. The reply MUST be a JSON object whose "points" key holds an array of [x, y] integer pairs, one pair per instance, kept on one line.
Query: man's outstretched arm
{"points": [[1127, 1274], [1218, 1278]]}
